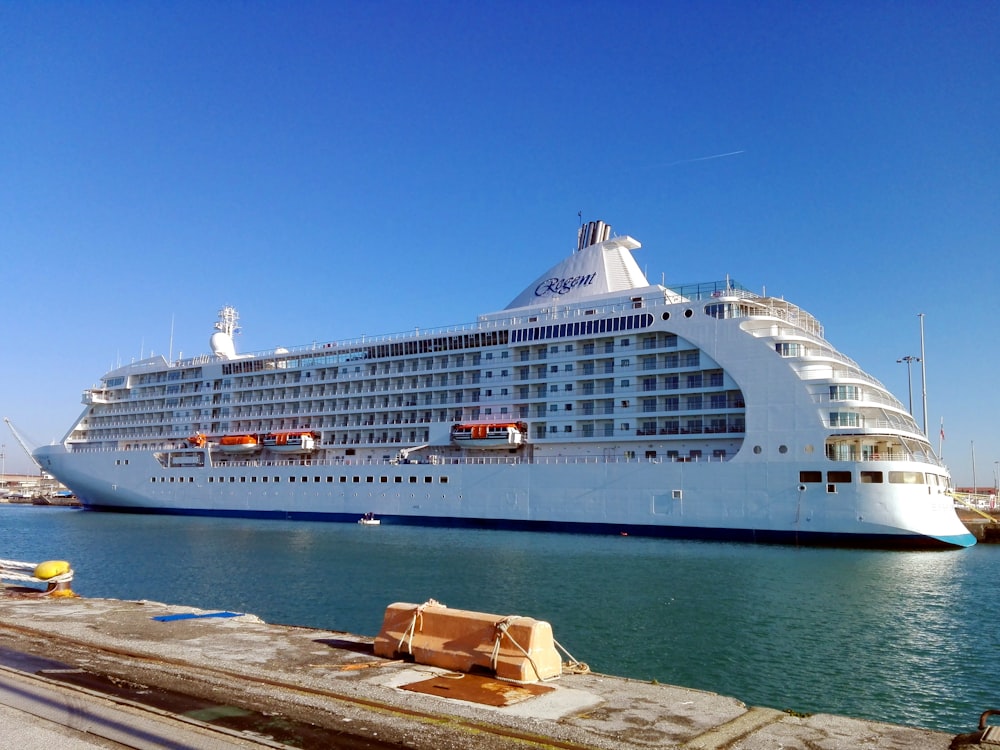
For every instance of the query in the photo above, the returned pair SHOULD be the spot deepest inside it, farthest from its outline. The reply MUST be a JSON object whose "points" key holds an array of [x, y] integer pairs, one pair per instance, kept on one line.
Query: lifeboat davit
{"points": [[488, 435], [239, 444], [290, 442]]}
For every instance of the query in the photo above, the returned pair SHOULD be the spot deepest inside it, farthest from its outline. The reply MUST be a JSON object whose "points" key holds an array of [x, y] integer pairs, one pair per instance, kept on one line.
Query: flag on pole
{"points": [[942, 428]]}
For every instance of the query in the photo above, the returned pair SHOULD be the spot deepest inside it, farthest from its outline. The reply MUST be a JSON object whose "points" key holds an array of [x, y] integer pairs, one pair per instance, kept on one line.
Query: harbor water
{"points": [[903, 637]]}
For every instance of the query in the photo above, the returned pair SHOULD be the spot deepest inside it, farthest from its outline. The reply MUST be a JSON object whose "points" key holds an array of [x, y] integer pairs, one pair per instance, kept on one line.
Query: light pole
{"points": [[923, 370], [909, 380]]}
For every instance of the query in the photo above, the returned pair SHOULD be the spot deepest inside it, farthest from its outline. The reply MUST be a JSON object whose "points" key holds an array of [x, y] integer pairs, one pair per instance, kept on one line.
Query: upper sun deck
{"points": [[721, 299]]}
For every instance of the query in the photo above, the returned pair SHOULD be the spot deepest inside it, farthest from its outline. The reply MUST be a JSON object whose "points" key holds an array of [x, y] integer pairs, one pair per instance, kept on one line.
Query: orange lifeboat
{"points": [[488, 434], [198, 440], [290, 442], [239, 443]]}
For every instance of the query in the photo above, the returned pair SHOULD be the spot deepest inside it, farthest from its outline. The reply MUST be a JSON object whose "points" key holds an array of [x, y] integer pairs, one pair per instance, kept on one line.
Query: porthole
{"points": [[688, 313], [665, 316], [782, 449], [809, 449], [757, 449]]}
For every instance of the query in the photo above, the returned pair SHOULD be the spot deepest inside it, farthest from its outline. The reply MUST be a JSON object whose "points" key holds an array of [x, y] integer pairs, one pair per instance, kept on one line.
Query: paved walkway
{"points": [[328, 689]]}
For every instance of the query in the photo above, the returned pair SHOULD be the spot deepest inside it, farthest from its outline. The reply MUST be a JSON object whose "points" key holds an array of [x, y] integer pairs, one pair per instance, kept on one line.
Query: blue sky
{"points": [[337, 169]]}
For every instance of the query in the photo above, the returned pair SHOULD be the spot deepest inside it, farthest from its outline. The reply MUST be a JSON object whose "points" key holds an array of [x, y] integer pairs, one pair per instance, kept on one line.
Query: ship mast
{"points": [[228, 321]]}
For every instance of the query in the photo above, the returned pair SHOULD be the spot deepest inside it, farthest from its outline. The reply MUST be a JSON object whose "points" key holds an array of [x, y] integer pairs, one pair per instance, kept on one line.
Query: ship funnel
{"points": [[591, 233]]}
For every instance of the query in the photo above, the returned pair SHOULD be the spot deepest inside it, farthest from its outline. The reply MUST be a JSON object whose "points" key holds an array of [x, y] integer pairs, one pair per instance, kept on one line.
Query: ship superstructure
{"points": [[595, 401]]}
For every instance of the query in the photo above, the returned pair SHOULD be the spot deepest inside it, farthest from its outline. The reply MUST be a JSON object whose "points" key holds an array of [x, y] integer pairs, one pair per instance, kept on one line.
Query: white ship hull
{"points": [[705, 411], [689, 500]]}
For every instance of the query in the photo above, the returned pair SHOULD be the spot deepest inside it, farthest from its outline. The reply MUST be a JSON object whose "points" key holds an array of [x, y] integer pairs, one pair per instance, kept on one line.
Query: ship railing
{"points": [[903, 424], [865, 397], [891, 456], [764, 306], [468, 461]]}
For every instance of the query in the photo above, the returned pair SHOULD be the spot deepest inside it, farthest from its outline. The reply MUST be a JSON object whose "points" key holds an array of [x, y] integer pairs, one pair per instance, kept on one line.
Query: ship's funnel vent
{"points": [[591, 233]]}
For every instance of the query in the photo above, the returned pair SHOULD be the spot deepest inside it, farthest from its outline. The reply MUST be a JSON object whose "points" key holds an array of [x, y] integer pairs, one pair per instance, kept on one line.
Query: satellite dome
{"points": [[222, 340], [222, 345]]}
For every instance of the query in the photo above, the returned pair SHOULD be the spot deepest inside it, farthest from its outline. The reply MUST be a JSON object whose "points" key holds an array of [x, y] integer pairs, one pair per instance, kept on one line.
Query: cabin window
{"points": [[788, 349], [413, 480], [428, 480], [871, 477], [810, 476], [845, 419], [839, 477], [443, 480], [906, 477], [844, 393]]}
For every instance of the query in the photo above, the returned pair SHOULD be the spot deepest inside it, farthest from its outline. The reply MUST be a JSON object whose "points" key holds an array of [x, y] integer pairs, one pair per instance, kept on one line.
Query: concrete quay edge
{"points": [[332, 680]]}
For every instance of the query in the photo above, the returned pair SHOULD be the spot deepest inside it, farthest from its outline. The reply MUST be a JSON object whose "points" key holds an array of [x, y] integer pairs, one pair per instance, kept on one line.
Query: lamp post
{"points": [[909, 359], [923, 370]]}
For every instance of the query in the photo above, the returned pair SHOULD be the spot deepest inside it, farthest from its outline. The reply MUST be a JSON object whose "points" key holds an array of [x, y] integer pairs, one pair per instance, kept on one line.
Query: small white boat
{"points": [[368, 519]]}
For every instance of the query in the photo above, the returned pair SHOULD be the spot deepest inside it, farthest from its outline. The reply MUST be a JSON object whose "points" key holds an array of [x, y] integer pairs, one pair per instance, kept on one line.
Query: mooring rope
{"points": [[502, 628], [24, 572], [574, 665], [418, 613]]}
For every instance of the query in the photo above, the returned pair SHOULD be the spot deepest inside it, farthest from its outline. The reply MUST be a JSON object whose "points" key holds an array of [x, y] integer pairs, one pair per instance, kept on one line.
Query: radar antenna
{"points": [[228, 321]]}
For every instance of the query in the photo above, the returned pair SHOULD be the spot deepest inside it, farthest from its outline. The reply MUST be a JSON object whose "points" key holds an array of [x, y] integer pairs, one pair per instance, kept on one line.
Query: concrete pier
{"points": [[108, 673]]}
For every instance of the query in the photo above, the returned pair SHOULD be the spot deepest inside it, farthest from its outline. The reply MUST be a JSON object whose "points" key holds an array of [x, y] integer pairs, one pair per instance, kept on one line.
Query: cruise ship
{"points": [[595, 402]]}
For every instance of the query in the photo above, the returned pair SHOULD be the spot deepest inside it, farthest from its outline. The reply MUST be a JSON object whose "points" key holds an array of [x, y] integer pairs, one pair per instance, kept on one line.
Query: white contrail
{"points": [[704, 158]]}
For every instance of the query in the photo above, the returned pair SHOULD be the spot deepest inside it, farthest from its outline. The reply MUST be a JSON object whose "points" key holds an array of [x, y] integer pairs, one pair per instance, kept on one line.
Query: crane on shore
{"points": [[22, 443]]}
